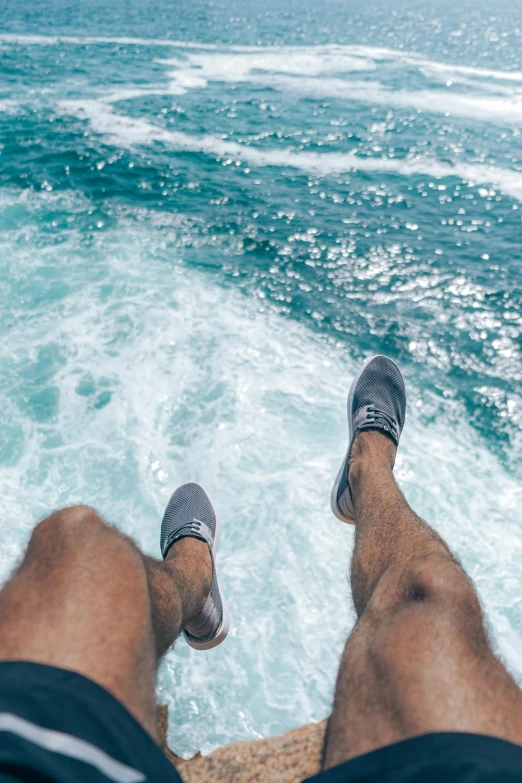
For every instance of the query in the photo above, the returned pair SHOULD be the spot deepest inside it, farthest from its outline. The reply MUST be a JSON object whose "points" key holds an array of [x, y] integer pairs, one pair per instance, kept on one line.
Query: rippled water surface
{"points": [[209, 215]]}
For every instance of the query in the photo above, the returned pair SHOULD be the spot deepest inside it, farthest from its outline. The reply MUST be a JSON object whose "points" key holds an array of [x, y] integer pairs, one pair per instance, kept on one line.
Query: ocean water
{"points": [[210, 213]]}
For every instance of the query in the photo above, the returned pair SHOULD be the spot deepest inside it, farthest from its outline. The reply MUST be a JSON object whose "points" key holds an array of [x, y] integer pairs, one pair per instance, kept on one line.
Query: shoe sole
{"points": [[224, 626], [333, 497]]}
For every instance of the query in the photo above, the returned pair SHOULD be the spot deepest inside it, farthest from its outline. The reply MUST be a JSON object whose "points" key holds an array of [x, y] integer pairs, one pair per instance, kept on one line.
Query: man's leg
{"points": [[419, 659], [84, 598]]}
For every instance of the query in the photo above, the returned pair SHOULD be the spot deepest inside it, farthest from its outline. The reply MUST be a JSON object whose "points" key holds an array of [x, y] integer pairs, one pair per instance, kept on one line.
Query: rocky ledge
{"points": [[290, 758]]}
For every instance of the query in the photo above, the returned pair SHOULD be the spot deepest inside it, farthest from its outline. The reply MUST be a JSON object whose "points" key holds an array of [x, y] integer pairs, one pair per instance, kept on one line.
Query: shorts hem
{"points": [[447, 750]]}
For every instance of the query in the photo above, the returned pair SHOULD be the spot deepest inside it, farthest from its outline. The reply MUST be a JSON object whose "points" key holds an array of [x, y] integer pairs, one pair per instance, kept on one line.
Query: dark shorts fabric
{"points": [[433, 758], [57, 726]]}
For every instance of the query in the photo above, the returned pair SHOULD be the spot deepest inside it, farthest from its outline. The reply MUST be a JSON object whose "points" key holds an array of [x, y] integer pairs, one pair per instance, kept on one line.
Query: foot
{"points": [[376, 402], [189, 514]]}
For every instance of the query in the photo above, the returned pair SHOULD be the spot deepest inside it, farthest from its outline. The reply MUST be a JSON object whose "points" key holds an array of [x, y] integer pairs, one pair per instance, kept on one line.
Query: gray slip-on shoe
{"points": [[376, 401], [189, 514]]}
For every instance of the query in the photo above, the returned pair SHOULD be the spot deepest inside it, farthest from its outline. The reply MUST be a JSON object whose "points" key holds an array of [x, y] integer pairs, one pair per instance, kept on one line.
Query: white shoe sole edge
{"points": [[225, 622]]}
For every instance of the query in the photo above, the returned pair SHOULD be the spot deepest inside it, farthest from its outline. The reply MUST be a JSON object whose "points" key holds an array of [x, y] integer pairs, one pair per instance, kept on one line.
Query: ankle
{"points": [[371, 451], [190, 559]]}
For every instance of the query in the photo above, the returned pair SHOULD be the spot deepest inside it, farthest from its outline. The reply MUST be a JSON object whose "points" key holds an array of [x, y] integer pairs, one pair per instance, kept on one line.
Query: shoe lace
{"points": [[384, 420], [189, 529]]}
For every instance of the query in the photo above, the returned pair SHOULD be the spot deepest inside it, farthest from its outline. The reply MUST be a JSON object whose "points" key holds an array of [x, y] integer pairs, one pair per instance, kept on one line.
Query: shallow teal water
{"points": [[209, 215]]}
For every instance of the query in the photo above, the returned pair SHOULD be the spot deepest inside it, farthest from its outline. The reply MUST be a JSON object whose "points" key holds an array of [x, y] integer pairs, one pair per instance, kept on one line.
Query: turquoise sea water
{"points": [[209, 214]]}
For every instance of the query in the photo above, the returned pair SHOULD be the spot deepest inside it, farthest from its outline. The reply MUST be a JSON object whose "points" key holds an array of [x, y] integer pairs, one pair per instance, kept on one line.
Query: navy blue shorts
{"points": [[433, 758], [57, 727]]}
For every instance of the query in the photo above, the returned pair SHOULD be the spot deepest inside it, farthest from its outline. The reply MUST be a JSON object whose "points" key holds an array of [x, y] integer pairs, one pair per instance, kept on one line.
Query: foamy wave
{"points": [[317, 71], [382, 54], [503, 110], [256, 65], [128, 131], [74, 40], [308, 59], [9, 106], [304, 72]]}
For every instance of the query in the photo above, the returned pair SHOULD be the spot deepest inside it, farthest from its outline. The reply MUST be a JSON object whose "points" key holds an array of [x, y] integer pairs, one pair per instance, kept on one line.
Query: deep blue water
{"points": [[210, 212]]}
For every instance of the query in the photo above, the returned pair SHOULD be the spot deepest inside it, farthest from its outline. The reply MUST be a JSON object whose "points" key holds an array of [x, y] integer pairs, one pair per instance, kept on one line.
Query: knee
{"points": [[78, 535], [436, 612], [67, 528], [433, 582], [75, 520], [443, 584]]}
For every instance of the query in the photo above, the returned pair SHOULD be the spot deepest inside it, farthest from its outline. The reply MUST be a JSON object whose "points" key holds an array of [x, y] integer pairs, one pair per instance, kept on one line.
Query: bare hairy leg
{"points": [[85, 598], [419, 659]]}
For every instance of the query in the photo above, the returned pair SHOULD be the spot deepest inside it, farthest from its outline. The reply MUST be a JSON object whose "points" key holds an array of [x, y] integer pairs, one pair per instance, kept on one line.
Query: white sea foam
{"points": [[88, 40], [500, 109], [255, 65], [207, 386], [129, 131], [317, 71], [304, 73], [318, 59], [448, 71], [9, 106], [382, 54]]}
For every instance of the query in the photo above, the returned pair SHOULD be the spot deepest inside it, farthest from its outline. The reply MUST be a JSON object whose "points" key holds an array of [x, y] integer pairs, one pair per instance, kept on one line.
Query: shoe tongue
{"points": [[371, 418], [195, 529]]}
